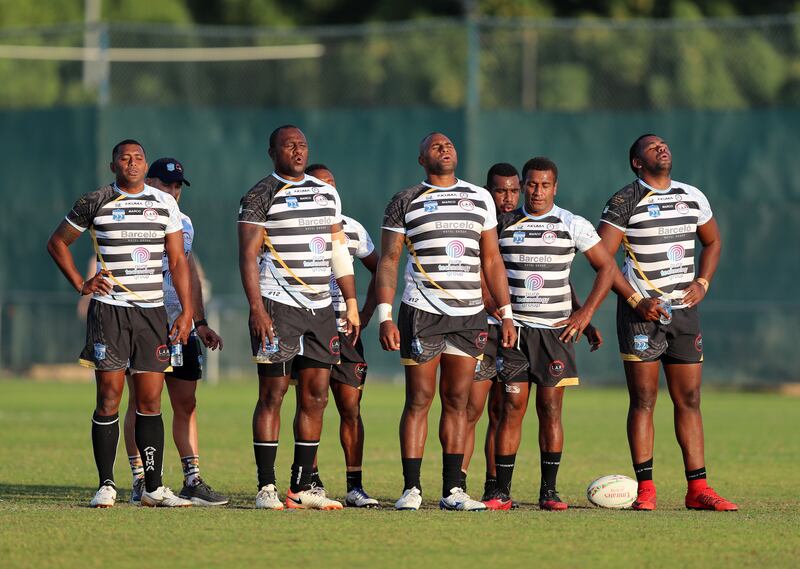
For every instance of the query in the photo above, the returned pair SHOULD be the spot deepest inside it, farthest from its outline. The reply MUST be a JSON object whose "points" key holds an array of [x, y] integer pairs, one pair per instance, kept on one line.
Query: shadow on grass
{"points": [[41, 493]]}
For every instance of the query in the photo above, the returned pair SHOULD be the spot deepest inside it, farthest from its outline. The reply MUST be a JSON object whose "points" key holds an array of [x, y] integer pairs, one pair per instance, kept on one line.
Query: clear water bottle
{"points": [[176, 355], [666, 304], [268, 349]]}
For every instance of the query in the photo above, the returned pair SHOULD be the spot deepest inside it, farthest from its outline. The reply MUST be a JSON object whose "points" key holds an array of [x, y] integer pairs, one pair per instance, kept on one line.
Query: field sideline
{"points": [[47, 477]]}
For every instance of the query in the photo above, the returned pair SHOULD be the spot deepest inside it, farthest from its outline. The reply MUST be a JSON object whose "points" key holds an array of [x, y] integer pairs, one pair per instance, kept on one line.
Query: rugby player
{"points": [[167, 175], [448, 228], [290, 241], [349, 376], [538, 244], [132, 225], [657, 220]]}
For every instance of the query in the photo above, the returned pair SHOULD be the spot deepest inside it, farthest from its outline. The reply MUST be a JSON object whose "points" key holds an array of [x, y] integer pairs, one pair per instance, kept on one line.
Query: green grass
{"points": [[47, 477]]}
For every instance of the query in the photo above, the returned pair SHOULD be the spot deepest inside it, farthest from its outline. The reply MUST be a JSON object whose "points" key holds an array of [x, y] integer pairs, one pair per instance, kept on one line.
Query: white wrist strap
{"points": [[384, 310], [506, 313]]}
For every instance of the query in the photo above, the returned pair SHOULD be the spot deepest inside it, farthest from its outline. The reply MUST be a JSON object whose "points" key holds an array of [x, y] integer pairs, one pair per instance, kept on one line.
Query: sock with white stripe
{"points": [[150, 440], [105, 437], [265, 451], [303, 466], [505, 471], [191, 469], [137, 469]]}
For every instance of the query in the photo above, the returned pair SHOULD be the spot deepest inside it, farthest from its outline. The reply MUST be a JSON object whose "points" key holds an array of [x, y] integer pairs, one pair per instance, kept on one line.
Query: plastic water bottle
{"points": [[266, 350], [666, 304], [176, 355]]}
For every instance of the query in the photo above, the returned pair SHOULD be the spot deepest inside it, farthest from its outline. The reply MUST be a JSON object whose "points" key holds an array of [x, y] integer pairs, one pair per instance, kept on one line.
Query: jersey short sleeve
{"points": [[85, 209], [584, 234], [620, 207], [253, 207], [365, 244], [491, 213], [704, 215], [175, 220], [394, 215]]}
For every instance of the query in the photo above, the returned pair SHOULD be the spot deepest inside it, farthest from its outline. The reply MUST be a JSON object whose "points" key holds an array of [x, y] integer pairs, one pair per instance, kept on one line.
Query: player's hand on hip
{"points": [[694, 293], [390, 336], [99, 283], [209, 337], [574, 325], [594, 337], [181, 328], [509, 333], [650, 309], [261, 326]]}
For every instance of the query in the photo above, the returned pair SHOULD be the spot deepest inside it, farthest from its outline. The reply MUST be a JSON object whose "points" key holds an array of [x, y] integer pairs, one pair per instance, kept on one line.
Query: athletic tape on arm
{"points": [[341, 262]]}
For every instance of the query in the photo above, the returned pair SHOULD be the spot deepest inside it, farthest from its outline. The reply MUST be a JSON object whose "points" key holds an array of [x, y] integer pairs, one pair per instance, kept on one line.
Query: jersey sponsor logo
{"points": [[140, 255], [641, 342], [333, 285], [430, 206], [676, 253], [333, 345], [535, 258], [317, 245], [556, 368], [682, 208], [99, 351], [698, 343], [455, 249], [678, 229], [549, 237], [150, 214], [519, 237], [534, 282], [149, 203], [326, 220], [118, 214], [466, 205], [292, 202], [162, 353], [481, 339], [466, 225], [653, 210], [124, 234], [360, 371], [321, 200]]}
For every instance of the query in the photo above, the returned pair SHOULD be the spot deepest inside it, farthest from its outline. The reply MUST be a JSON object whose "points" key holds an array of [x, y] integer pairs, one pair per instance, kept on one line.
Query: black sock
{"points": [[699, 474], [463, 481], [411, 469], [550, 461], [490, 486], [353, 480], [315, 478], [265, 451], [644, 470], [303, 465], [150, 440], [505, 471], [451, 472], [105, 437]]}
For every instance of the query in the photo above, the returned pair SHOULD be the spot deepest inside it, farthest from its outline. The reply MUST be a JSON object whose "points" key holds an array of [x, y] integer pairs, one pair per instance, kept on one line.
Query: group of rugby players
{"points": [[488, 304]]}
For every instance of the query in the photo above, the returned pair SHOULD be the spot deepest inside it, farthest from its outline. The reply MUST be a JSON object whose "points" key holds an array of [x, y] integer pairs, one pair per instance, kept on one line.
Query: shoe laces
{"points": [[359, 493], [459, 495], [203, 485], [709, 497], [550, 495], [317, 491]]}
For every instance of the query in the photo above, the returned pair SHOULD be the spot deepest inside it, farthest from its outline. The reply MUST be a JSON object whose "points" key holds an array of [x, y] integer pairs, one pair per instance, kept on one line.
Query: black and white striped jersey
{"points": [[129, 232], [360, 245], [171, 301], [660, 228], [538, 253], [442, 228], [296, 260]]}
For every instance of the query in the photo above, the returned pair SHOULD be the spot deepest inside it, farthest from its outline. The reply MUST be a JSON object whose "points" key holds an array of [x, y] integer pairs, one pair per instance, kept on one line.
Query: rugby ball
{"points": [[614, 491]]}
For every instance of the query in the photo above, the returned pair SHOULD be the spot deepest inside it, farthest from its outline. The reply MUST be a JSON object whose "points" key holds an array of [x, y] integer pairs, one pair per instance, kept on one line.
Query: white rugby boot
{"points": [[460, 500], [410, 500], [314, 498], [268, 499], [162, 497], [105, 497], [358, 498]]}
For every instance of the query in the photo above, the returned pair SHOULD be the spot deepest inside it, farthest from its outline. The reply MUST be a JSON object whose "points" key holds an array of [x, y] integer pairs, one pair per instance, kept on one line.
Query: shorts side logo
{"points": [[162, 353], [556, 368], [481, 339], [333, 345], [641, 342]]}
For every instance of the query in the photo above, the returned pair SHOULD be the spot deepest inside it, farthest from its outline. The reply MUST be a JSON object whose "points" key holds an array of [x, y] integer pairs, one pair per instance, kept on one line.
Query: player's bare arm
{"points": [[342, 265], [710, 238], [386, 285], [371, 264], [593, 335], [603, 263], [58, 247], [491, 307], [207, 335], [494, 272], [251, 239], [179, 267], [647, 308]]}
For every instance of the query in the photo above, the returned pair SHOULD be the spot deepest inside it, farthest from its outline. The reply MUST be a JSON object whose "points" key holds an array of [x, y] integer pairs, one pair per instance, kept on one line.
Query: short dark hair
{"points": [[427, 137], [313, 167], [634, 151], [542, 164], [274, 135], [125, 142], [503, 169]]}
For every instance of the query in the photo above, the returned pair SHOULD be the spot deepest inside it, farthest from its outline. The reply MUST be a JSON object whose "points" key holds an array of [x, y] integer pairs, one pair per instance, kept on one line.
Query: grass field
{"points": [[47, 477]]}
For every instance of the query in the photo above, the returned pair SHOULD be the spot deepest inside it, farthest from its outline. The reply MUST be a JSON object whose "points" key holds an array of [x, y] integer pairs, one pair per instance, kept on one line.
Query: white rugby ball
{"points": [[613, 491]]}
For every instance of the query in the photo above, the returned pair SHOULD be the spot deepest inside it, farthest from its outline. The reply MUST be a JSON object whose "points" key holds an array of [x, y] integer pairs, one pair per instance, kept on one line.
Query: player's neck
{"points": [[130, 188], [657, 181], [441, 180]]}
